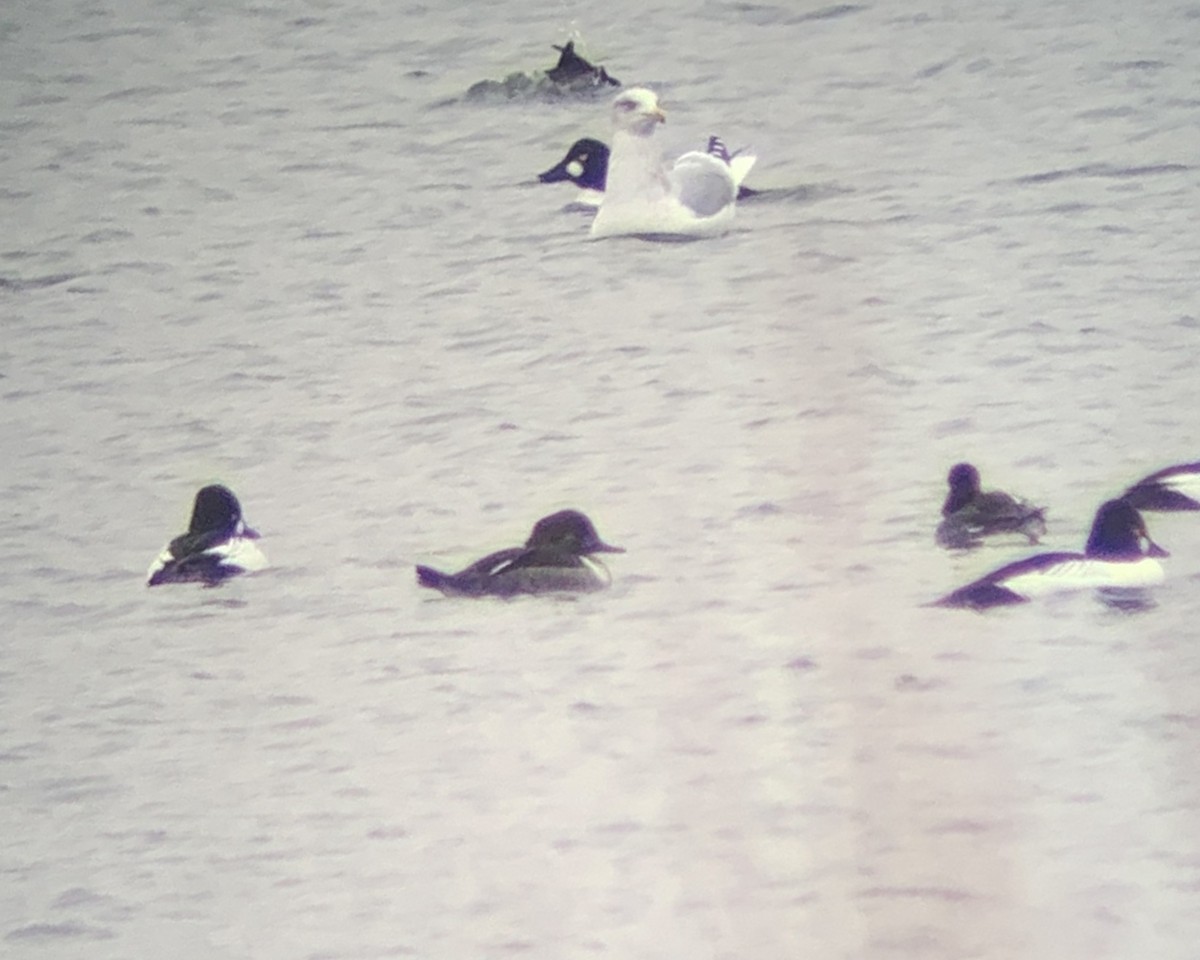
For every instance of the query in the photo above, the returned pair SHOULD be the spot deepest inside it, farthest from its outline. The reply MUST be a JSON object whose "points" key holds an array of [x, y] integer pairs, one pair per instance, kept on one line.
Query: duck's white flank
{"points": [[1084, 573]]}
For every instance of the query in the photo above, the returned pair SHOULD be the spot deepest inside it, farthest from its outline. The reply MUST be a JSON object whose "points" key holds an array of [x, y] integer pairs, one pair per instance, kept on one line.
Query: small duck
{"points": [[969, 513], [218, 544], [586, 166], [1171, 489], [572, 68], [1113, 558], [571, 76], [555, 559]]}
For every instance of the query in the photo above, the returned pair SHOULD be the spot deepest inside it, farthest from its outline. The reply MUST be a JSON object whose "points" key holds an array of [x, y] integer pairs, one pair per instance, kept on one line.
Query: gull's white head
{"points": [[636, 111]]}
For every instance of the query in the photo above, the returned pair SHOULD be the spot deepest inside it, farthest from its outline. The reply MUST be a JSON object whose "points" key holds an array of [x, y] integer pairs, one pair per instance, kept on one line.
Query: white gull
{"points": [[695, 198]]}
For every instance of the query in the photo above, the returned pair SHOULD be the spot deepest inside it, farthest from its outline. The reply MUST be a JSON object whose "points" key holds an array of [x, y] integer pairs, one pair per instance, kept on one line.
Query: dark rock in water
{"points": [[572, 76]]}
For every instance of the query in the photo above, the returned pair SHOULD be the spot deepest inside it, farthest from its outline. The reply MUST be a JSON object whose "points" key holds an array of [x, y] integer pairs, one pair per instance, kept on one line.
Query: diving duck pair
{"points": [[1119, 553], [557, 557]]}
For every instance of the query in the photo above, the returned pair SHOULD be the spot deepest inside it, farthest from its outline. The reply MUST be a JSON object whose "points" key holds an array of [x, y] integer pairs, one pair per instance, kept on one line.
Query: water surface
{"points": [[275, 247]]}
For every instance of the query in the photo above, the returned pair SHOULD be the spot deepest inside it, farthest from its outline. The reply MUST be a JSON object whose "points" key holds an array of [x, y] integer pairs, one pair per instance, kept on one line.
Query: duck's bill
{"points": [[607, 548], [250, 533], [555, 174], [1154, 550]]}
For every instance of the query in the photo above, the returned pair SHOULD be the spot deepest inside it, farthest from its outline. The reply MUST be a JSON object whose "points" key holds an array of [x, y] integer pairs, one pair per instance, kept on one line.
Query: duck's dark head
{"points": [[1118, 533], [964, 487], [585, 165], [217, 509], [571, 531]]}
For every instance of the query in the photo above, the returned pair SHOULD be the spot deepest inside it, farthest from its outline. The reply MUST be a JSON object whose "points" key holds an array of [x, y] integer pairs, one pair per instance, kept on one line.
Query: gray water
{"points": [[272, 245]]}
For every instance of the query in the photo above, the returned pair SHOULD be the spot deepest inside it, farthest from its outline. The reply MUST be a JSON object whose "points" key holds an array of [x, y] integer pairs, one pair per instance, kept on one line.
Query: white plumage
{"points": [[1085, 573], [695, 198]]}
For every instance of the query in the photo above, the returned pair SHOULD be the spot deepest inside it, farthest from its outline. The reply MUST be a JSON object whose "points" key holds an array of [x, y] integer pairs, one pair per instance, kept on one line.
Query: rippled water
{"points": [[273, 245]]}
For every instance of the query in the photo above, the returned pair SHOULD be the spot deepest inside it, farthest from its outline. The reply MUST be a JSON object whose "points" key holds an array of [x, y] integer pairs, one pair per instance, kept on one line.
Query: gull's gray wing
{"points": [[702, 183]]}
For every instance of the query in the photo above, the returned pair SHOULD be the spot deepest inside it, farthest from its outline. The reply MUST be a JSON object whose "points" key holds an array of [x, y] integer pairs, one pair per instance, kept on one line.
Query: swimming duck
{"points": [[695, 198], [1173, 488], [572, 68], [586, 166], [571, 76], [556, 558], [969, 513], [1114, 557], [217, 545]]}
